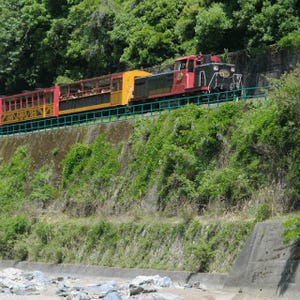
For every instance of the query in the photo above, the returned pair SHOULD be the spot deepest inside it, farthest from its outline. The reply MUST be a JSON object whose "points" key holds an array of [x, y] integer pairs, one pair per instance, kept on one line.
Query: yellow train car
{"points": [[98, 93]]}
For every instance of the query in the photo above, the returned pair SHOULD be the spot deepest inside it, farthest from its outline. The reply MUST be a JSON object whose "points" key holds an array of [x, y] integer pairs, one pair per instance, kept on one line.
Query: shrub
{"points": [[88, 171], [74, 163], [290, 40], [291, 230], [41, 188], [13, 175], [11, 230]]}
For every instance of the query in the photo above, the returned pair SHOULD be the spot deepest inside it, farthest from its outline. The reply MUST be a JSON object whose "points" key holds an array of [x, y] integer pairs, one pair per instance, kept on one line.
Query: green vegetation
{"points": [[13, 176], [292, 230], [234, 166], [190, 246], [44, 41], [12, 229], [88, 174], [42, 190]]}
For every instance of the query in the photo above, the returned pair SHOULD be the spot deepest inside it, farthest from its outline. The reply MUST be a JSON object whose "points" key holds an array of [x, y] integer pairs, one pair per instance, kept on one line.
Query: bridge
{"points": [[122, 113]]}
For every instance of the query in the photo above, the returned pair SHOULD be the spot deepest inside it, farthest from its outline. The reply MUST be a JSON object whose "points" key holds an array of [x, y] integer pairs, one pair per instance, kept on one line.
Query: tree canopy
{"points": [[44, 39]]}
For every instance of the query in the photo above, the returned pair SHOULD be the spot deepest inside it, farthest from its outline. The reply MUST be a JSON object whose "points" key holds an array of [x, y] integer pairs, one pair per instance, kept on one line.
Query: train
{"points": [[191, 75]]}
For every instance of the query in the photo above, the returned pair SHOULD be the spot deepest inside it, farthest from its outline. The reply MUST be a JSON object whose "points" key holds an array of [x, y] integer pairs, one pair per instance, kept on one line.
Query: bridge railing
{"points": [[116, 114]]}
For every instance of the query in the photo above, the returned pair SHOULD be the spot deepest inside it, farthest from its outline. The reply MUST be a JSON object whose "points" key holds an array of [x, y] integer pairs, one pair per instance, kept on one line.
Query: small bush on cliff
{"points": [[74, 163], [87, 173], [42, 189], [290, 40], [286, 96], [292, 230], [12, 229], [13, 175]]}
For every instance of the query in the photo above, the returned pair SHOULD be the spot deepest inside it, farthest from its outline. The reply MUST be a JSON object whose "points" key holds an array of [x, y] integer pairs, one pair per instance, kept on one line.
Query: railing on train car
{"points": [[133, 112]]}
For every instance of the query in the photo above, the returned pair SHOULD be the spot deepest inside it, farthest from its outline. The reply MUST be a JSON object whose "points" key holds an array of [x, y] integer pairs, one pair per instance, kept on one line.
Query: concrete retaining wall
{"points": [[266, 266]]}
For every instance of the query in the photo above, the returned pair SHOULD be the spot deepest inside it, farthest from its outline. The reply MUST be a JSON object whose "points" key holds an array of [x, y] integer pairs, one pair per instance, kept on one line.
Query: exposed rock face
{"points": [[269, 63], [17, 282]]}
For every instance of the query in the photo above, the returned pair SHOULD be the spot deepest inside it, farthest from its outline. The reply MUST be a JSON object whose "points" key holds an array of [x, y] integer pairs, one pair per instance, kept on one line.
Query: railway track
{"points": [[122, 113]]}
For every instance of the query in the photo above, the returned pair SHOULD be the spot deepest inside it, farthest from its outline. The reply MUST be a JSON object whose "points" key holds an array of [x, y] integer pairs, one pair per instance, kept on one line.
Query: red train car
{"points": [[26, 106]]}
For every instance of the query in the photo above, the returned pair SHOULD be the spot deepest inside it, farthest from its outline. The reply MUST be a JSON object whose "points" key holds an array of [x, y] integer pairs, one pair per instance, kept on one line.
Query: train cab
{"points": [[184, 70]]}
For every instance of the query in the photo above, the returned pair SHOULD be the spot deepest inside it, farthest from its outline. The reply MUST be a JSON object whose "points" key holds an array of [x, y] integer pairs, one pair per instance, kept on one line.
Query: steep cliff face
{"points": [[268, 63], [50, 147]]}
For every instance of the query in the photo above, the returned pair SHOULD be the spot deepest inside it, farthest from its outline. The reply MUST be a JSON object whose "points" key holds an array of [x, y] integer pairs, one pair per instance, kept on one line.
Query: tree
{"points": [[11, 35], [23, 26], [212, 28], [266, 22], [35, 23], [185, 26], [147, 31], [90, 46]]}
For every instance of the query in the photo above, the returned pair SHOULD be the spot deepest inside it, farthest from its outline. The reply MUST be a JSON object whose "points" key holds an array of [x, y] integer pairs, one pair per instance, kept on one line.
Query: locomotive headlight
{"points": [[232, 69], [216, 68], [224, 73]]}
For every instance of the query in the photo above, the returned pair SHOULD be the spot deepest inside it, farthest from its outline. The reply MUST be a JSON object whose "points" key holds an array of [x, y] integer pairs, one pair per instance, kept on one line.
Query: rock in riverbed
{"points": [[17, 282]]}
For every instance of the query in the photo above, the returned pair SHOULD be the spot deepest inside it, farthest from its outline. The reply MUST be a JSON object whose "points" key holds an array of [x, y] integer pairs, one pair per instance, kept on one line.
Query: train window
{"points": [[33, 100], [117, 85], [202, 79], [180, 65], [104, 82], [18, 105], [191, 66], [23, 102], [75, 88], [49, 98], [36, 100], [90, 86], [114, 86], [64, 91], [6, 106], [10, 104]]}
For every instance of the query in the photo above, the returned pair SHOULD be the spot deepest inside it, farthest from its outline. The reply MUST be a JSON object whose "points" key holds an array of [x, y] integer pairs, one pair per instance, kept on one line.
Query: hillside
{"points": [[180, 191]]}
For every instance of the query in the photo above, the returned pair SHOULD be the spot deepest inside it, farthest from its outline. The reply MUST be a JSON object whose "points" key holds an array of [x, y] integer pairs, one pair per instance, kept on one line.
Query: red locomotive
{"points": [[191, 75]]}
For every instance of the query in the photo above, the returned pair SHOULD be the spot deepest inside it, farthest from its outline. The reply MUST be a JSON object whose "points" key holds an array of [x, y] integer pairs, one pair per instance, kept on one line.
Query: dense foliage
{"points": [[88, 174], [192, 246], [42, 40], [13, 176]]}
